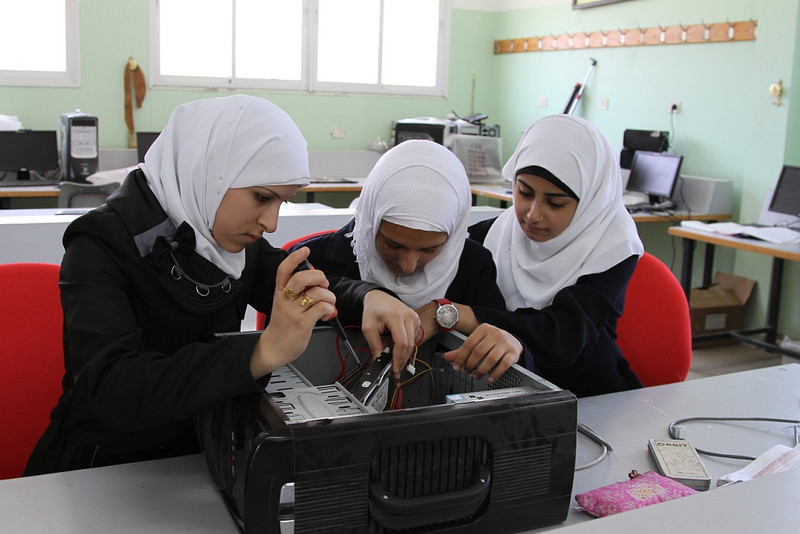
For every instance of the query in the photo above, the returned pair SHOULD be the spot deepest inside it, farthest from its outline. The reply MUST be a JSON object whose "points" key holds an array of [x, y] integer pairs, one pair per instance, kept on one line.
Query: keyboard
{"points": [[331, 180]]}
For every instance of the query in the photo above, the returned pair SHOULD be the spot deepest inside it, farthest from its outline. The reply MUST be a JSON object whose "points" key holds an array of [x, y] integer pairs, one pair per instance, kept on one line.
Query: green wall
{"points": [[728, 127]]}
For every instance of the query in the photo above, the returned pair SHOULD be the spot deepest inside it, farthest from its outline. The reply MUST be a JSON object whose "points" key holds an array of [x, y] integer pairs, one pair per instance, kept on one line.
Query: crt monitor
{"points": [[143, 142], [23, 151], [654, 174], [786, 198]]}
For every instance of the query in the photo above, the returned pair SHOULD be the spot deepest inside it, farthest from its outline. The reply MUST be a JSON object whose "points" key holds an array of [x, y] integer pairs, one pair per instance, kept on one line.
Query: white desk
{"points": [[35, 235], [177, 495]]}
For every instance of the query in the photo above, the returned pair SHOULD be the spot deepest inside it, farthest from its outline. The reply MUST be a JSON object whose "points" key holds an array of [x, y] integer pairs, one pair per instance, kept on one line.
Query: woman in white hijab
{"points": [[409, 236], [565, 252], [174, 257]]}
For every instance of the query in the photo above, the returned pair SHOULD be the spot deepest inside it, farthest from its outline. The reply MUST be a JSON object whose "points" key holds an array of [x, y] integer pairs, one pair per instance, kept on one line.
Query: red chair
{"points": [[31, 358], [655, 330], [261, 319]]}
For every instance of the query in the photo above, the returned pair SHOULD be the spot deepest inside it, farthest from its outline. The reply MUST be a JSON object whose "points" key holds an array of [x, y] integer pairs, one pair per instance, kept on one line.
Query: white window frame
{"points": [[307, 83], [71, 77]]}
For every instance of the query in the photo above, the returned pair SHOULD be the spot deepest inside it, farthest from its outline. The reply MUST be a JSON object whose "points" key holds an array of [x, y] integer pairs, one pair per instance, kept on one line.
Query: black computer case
{"points": [[460, 455]]}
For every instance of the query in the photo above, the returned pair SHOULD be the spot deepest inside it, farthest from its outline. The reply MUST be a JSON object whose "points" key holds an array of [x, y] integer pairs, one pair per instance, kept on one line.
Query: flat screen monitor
{"points": [[654, 174], [786, 198], [23, 151], [143, 142]]}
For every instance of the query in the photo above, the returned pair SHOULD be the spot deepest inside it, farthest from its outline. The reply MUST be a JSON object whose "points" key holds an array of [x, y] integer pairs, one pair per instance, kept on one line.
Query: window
{"points": [[374, 46], [54, 61]]}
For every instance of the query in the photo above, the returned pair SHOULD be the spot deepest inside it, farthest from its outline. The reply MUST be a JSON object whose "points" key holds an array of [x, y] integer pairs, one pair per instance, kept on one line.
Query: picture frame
{"points": [[582, 4]]}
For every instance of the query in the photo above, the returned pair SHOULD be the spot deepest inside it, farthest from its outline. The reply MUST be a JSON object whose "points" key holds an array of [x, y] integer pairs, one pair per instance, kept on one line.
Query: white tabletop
{"points": [[177, 495]]}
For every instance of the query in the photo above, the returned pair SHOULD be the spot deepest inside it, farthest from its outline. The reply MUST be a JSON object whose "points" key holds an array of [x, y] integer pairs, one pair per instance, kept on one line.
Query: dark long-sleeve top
{"points": [[573, 340], [475, 282], [140, 352]]}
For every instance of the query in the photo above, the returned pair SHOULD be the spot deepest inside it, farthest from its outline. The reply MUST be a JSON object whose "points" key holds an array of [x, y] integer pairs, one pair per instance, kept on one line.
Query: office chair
{"points": [[261, 319], [31, 358], [84, 195], [655, 331]]}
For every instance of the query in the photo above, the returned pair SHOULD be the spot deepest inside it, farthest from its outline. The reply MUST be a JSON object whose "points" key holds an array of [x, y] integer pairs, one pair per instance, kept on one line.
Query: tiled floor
{"points": [[724, 359]]}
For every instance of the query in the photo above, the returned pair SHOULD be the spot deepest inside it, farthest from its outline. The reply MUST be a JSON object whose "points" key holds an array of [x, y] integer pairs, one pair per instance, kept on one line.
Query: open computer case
{"points": [[456, 454]]}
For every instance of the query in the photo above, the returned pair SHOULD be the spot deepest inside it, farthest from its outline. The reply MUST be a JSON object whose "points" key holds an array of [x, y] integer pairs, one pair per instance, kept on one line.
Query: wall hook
{"points": [[684, 29], [776, 90]]}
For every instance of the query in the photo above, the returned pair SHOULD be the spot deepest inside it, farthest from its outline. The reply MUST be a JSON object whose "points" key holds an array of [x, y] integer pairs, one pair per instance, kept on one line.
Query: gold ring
{"points": [[306, 301], [288, 294]]}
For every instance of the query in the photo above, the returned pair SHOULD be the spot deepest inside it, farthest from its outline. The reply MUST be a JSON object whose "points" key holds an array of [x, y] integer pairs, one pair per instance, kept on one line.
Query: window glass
{"points": [[410, 42], [338, 45], [349, 33], [201, 48], [269, 39], [52, 25]]}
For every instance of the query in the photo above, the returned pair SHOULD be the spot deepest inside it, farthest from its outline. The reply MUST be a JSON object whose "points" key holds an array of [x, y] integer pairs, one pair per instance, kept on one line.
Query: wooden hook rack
{"points": [[719, 32]]}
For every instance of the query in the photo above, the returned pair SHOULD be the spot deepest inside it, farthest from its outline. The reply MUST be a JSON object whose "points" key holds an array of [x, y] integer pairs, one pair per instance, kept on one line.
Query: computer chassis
{"points": [[457, 454]]}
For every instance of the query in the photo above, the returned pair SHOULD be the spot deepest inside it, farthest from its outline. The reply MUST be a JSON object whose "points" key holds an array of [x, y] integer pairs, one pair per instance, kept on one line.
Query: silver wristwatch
{"points": [[446, 315]]}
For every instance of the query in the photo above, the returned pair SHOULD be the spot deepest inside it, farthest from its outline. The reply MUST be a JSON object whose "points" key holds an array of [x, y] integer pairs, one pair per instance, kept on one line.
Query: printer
{"points": [[433, 129], [443, 453]]}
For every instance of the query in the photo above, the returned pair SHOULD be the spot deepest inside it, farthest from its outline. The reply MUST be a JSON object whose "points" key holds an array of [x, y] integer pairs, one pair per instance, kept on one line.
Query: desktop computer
{"points": [[445, 453], [79, 146], [698, 194]]}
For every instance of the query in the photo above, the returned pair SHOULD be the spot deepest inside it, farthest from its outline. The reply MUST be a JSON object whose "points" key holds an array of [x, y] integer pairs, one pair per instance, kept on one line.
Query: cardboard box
{"points": [[718, 308]]}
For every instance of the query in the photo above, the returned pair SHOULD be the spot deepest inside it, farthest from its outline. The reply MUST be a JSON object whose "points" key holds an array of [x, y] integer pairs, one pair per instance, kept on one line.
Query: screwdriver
{"points": [[305, 265]]}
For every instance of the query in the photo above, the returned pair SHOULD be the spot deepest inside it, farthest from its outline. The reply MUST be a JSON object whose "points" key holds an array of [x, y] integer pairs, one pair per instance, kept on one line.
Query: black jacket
{"points": [[140, 353], [475, 281], [573, 340]]}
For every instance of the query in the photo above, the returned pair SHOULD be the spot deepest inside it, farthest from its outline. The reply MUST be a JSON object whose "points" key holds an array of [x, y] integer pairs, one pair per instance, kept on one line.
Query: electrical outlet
{"points": [[674, 107], [602, 104], [338, 132], [542, 101]]}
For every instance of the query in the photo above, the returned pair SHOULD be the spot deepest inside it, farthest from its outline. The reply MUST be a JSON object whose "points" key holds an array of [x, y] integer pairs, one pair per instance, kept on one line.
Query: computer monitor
{"points": [[654, 174], [786, 198], [143, 142], [23, 151]]}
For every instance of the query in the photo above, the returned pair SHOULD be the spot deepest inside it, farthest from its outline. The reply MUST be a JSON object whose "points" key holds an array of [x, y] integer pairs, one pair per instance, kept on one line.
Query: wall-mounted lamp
{"points": [[776, 90]]}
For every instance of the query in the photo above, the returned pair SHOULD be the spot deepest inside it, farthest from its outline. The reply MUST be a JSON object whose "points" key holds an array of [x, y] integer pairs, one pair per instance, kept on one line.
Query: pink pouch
{"points": [[641, 490]]}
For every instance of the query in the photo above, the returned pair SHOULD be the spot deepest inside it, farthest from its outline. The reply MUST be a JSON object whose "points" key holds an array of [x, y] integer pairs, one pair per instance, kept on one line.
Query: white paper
{"points": [[776, 460], [780, 235]]}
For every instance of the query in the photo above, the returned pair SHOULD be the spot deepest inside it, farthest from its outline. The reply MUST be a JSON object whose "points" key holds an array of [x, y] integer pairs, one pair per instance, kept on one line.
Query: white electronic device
{"points": [[678, 459], [698, 194], [432, 129]]}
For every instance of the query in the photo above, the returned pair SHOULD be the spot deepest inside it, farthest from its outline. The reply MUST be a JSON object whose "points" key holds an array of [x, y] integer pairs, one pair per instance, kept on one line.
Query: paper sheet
{"points": [[775, 460]]}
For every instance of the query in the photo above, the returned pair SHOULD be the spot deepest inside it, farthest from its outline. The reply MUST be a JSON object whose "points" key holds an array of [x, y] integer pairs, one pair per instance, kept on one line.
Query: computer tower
{"points": [[459, 455], [79, 146], [699, 194]]}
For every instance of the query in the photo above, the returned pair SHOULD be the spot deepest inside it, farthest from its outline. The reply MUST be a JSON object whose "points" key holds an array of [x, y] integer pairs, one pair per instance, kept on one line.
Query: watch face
{"points": [[447, 316]]}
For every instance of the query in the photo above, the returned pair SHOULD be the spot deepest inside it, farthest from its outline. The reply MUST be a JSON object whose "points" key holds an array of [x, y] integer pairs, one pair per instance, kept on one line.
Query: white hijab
{"points": [[601, 233], [420, 185], [212, 145]]}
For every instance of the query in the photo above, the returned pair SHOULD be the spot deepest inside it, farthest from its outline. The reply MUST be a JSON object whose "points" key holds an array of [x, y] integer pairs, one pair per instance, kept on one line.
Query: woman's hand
{"points": [[384, 313], [487, 350], [301, 299]]}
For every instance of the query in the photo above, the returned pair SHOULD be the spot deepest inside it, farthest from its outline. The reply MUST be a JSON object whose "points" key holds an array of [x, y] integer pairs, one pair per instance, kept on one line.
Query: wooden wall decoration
{"points": [[720, 32]]}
